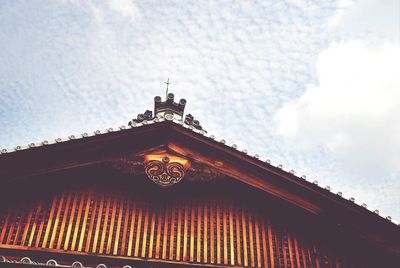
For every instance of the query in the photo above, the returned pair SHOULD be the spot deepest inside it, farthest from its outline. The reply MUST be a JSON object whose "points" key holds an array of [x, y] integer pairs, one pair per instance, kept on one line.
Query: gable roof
{"points": [[176, 137]]}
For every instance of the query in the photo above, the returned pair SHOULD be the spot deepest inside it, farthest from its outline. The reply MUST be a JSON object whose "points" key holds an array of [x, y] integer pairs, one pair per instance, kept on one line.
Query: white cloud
{"points": [[124, 7], [354, 114]]}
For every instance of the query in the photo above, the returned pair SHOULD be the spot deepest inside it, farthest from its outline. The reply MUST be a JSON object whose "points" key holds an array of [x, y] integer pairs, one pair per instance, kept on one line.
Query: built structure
{"points": [[161, 192]]}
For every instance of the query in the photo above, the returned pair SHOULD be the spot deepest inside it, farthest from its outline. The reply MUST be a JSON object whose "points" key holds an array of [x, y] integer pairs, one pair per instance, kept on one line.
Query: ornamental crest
{"points": [[166, 171]]}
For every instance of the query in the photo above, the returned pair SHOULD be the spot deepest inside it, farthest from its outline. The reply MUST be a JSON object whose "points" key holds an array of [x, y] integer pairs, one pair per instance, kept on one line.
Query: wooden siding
{"points": [[208, 231]]}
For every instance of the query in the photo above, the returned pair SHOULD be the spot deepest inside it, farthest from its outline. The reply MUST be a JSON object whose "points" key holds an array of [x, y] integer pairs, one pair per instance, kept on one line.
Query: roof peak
{"points": [[169, 110]]}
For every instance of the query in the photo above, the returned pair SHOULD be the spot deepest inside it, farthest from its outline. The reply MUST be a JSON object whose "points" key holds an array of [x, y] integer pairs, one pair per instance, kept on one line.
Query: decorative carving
{"points": [[147, 115], [164, 173], [189, 120]]}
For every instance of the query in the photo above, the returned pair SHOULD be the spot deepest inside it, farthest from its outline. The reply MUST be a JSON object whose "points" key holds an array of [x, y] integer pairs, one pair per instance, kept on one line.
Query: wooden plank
{"points": [[264, 244], [103, 227], [205, 232], [132, 228], [27, 225], [290, 250], [41, 226], [296, 248], [56, 220], [78, 219], [119, 223], [185, 233], [35, 223], [98, 223], [231, 233], [126, 223], [192, 221], [271, 245], [91, 223], [198, 235], [159, 228], [179, 233], [145, 229], [112, 223], [218, 234], [225, 233], [49, 222], [244, 232], [19, 226], [70, 222], [258, 244], [172, 233], [64, 220], [212, 235], [251, 238], [138, 230], [152, 229], [11, 230], [238, 236], [5, 226], [165, 236]]}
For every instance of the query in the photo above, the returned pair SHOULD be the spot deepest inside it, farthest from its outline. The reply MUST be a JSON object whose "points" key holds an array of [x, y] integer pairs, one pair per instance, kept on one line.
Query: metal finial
{"points": [[166, 91]]}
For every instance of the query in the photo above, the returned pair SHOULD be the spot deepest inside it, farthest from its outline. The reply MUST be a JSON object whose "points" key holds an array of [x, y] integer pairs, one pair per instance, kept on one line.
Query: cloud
{"points": [[353, 112]]}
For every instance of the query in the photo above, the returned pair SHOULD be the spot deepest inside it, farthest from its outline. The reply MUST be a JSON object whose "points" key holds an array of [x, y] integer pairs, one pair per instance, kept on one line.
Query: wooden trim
{"points": [[70, 222], [112, 223], [119, 223]]}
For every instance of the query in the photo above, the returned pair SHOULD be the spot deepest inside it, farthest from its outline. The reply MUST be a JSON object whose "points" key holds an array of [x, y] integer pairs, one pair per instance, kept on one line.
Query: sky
{"points": [[311, 85]]}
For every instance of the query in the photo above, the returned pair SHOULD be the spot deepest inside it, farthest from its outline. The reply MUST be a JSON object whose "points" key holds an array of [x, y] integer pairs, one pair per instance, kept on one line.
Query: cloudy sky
{"points": [[313, 85]]}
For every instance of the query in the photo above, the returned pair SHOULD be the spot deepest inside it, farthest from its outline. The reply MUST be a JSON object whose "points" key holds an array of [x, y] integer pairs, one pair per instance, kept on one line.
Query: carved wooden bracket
{"points": [[165, 169]]}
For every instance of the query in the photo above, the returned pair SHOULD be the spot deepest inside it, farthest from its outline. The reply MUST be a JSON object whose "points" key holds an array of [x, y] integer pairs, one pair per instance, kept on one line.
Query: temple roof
{"points": [[186, 138]]}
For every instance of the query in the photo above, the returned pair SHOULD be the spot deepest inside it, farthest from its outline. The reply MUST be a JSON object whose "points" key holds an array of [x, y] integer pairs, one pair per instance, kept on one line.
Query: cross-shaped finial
{"points": [[166, 91]]}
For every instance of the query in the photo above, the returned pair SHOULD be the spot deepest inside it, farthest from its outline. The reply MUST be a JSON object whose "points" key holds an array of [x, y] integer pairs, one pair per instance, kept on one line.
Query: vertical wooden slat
{"points": [[264, 244], [192, 219], [165, 236], [257, 234], [212, 237], [185, 233], [11, 230], [296, 248], [232, 233], [126, 222], [172, 233], [145, 228], [251, 239], [225, 233], [35, 222], [78, 219], [238, 237], [42, 220], [199, 224], [119, 223], [112, 223], [132, 228], [138, 230], [179, 234], [290, 250], [152, 228], [19, 226], [70, 222], [205, 232], [3, 231], [271, 247], [218, 234], [103, 227], [49, 221], [98, 222], [64, 220], [91, 223], [303, 254], [27, 225], [244, 232], [159, 226], [56, 220]]}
